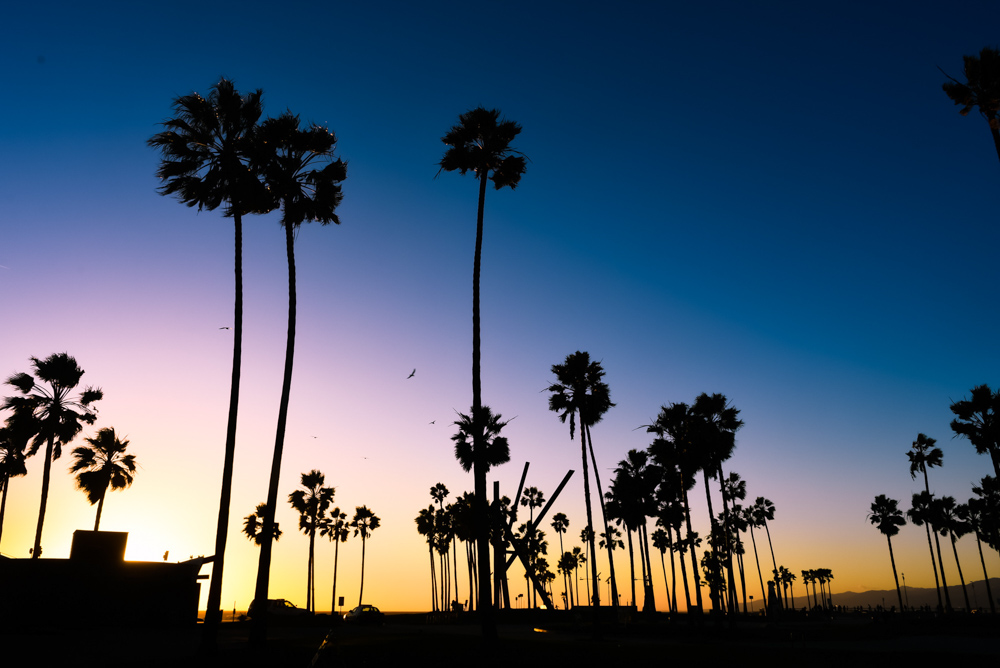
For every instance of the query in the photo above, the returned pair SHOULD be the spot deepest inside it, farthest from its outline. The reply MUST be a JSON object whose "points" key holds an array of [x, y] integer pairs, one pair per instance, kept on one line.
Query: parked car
{"points": [[279, 607], [365, 614]]}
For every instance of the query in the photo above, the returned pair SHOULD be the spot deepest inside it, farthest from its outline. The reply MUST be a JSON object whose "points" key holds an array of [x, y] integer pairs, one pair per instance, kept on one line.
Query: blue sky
{"points": [[775, 202]]}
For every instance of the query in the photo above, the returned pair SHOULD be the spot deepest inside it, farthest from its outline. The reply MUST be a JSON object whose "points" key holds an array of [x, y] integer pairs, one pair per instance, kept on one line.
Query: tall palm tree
{"points": [[463, 519], [981, 89], [886, 516], [763, 512], [439, 493], [923, 455], [560, 523], [581, 559], [52, 414], [949, 524], [580, 393], [335, 527], [14, 437], [205, 150], [566, 565], [480, 144], [673, 451], [716, 442], [253, 526], [364, 523], [102, 465], [426, 527], [922, 513], [975, 515], [662, 542], [304, 177], [978, 419], [311, 504]]}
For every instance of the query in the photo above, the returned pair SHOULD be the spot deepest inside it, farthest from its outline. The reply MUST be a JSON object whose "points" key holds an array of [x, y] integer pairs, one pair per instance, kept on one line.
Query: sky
{"points": [[774, 201]]}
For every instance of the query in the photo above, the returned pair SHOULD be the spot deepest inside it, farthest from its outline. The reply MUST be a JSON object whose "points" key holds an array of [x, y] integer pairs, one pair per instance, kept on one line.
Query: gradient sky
{"points": [[775, 201]]}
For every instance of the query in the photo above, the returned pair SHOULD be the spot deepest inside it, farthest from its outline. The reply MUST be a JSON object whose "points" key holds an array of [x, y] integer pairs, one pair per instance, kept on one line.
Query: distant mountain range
{"points": [[914, 597]]}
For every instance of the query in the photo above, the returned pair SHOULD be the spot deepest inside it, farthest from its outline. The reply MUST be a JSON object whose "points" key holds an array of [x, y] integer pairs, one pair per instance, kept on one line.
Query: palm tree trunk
{"points": [[727, 543], [986, 577], [595, 597], [684, 577], [763, 591], [892, 558], [937, 583], [944, 580], [771, 546], [666, 582], [311, 593], [965, 593], [361, 591], [258, 634], [100, 507], [213, 612], [604, 516], [479, 459], [336, 554], [4, 483], [694, 557], [995, 131], [36, 551], [673, 579], [649, 598], [631, 562], [714, 593], [434, 591]]}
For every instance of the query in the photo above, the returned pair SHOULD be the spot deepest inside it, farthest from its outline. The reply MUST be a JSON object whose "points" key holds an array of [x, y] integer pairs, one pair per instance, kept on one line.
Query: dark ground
{"points": [[529, 637]]}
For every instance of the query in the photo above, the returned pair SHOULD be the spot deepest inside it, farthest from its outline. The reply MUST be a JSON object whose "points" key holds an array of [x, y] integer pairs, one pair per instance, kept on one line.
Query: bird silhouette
{"points": [[411, 374], [223, 328], [432, 421]]}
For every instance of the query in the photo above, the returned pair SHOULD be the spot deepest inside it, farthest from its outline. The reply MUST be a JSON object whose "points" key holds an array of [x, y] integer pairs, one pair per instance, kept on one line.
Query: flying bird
{"points": [[411, 374], [223, 328], [432, 422]]}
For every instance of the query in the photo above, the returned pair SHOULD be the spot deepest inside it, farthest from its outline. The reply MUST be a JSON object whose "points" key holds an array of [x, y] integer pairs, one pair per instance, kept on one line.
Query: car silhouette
{"points": [[365, 614]]}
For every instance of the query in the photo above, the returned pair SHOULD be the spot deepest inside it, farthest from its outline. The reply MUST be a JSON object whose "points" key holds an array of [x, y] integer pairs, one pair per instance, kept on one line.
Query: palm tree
{"points": [[302, 175], [981, 89], [560, 523], [102, 465], [673, 451], [975, 515], [949, 524], [335, 527], [253, 526], [480, 143], [924, 455], [205, 150], [580, 393], [439, 493], [716, 442], [763, 512], [977, 420], [662, 542], [311, 504], [581, 558], [426, 527], [364, 523], [14, 437], [922, 513], [51, 413], [566, 565], [886, 516], [988, 493]]}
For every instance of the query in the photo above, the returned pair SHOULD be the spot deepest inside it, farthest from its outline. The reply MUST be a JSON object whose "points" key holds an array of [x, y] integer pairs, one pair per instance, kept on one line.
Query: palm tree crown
{"points": [[51, 413], [102, 465], [483, 426], [977, 420], [981, 89], [480, 143]]}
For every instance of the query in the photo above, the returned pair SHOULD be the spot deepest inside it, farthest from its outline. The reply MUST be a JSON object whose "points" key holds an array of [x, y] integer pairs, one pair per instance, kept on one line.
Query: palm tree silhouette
{"points": [[981, 89], [205, 150], [924, 455], [886, 516], [721, 422], [560, 523], [581, 558], [335, 527], [51, 413], [427, 527], [949, 524], [975, 513], [102, 465], [364, 523], [302, 175], [632, 497], [922, 513], [662, 542], [14, 437], [580, 393], [480, 143], [673, 450], [978, 419], [253, 526], [763, 512], [311, 504]]}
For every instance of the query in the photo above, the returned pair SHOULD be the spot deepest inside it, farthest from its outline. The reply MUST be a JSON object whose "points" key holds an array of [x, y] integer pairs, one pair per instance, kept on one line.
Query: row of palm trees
{"points": [[313, 503], [48, 411], [217, 152], [978, 420]]}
